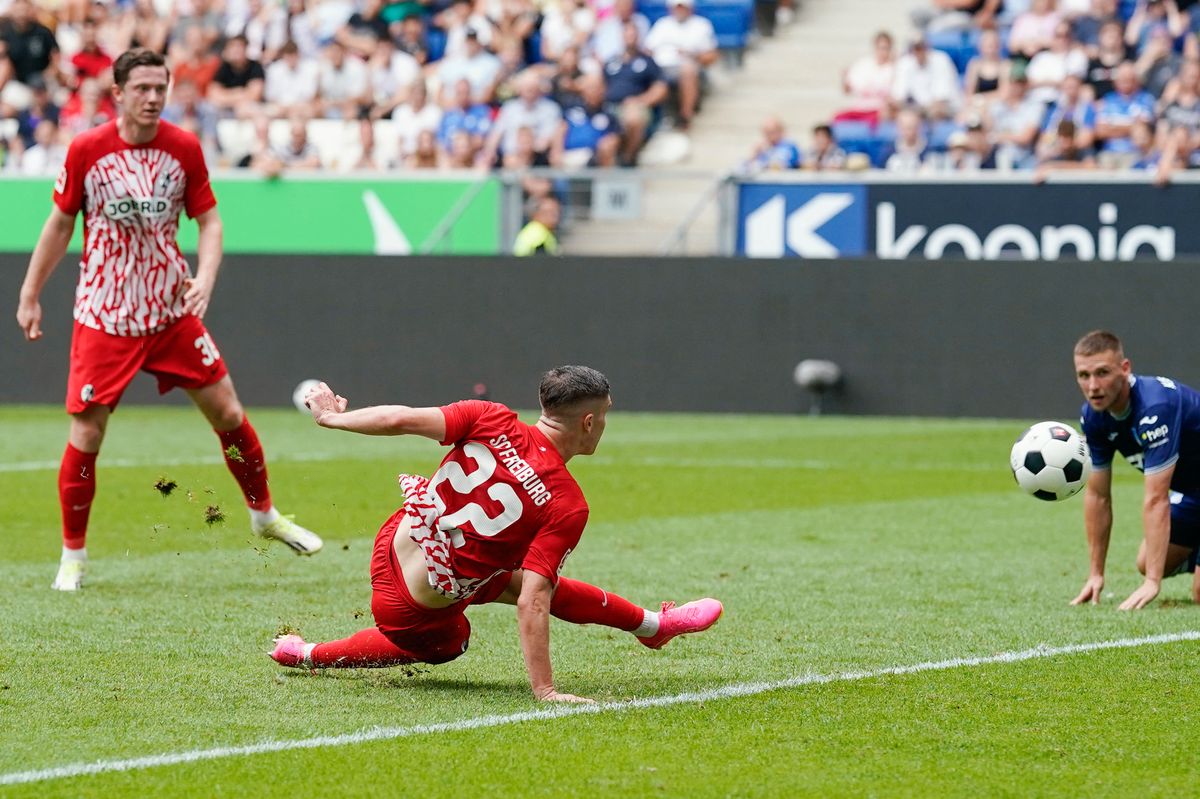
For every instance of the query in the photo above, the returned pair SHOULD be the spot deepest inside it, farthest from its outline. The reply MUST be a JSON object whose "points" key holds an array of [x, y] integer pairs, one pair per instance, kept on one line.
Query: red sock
{"points": [[76, 488], [244, 457], [581, 603], [365, 649]]}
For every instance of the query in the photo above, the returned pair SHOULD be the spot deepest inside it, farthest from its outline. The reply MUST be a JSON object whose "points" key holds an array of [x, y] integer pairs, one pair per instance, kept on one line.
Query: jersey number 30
{"points": [[465, 484]]}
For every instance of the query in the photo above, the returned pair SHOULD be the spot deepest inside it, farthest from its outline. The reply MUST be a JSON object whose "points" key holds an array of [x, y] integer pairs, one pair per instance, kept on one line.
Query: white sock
{"points": [[649, 625], [308, 648], [261, 518], [74, 554]]}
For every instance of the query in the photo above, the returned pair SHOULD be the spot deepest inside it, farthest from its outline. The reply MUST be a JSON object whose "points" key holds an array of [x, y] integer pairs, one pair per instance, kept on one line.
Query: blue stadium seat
{"points": [[853, 136], [939, 134], [436, 39], [959, 45]]}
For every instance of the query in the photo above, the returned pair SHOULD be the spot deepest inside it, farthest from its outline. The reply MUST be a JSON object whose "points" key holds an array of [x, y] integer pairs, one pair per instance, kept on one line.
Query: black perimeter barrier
{"points": [[946, 338]]}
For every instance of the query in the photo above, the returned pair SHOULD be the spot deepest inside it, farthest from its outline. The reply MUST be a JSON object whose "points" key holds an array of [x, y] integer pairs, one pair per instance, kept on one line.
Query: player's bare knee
{"points": [[228, 418], [87, 432]]}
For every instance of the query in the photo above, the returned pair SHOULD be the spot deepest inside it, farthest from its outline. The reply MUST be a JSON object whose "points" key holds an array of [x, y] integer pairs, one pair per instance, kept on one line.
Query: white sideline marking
{"points": [[562, 711], [199, 460], [605, 460]]}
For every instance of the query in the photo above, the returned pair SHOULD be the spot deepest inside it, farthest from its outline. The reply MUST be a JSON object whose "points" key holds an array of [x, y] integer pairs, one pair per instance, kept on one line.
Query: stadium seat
{"points": [[235, 138], [940, 133], [853, 136], [959, 45], [435, 38]]}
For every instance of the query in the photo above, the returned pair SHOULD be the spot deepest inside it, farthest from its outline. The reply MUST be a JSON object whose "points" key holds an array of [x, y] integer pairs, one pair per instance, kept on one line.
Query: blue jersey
{"points": [[1160, 429]]}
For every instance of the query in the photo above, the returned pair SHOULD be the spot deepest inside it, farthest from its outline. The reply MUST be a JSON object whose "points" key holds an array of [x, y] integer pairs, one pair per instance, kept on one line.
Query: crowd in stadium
{"points": [[398, 84], [432, 84], [1024, 85]]}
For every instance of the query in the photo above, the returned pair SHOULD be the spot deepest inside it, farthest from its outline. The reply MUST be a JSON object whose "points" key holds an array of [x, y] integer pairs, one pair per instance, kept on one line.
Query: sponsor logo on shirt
{"points": [[121, 208], [1148, 420], [1152, 435]]}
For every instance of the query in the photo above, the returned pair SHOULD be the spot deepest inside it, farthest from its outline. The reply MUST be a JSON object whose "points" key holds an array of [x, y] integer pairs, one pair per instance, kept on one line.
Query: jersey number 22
{"points": [[465, 484]]}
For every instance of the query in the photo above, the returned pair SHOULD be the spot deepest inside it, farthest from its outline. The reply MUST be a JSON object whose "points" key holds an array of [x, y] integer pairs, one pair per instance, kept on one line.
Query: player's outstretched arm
{"points": [[1097, 522], [533, 622], [329, 410], [1156, 521], [51, 247]]}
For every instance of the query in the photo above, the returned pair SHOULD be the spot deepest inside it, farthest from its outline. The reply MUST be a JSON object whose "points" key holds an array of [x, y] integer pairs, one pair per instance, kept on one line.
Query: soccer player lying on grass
{"points": [[495, 523], [1154, 422], [137, 307]]}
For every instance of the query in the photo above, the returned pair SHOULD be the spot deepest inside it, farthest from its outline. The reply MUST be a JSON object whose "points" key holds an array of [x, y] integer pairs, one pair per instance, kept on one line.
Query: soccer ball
{"points": [[1050, 460], [301, 392]]}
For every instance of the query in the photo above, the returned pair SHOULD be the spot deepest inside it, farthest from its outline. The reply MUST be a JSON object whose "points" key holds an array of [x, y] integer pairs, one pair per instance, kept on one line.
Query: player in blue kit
{"points": [[1154, 423]]}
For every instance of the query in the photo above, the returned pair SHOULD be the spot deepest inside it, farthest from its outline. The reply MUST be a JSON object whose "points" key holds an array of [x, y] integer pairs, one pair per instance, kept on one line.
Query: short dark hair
{"points": [[132, 59], [1099, 341], [565, 386]]}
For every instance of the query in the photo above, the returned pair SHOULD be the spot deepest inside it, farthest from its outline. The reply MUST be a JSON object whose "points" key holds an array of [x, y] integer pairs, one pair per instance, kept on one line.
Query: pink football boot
{"points": [[289, 651], [693, 617]]}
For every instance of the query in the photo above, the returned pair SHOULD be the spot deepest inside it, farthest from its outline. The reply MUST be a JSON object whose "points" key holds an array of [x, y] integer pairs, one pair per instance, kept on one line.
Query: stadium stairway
{"points": [[795, 74]]}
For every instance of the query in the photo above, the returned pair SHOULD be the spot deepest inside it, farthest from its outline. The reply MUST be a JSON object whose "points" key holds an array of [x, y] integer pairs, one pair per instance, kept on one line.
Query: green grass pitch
{"points": [[837, 545]]}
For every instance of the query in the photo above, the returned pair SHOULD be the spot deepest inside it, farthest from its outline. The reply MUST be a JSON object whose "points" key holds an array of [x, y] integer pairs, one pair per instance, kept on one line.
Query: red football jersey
{"points": [[504, 495], [131, 279]]}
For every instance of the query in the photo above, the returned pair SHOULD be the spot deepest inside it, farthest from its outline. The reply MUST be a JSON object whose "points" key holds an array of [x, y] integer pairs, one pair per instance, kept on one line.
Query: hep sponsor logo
{"points": [[128, 207], [809, 221], [1156, 433]]}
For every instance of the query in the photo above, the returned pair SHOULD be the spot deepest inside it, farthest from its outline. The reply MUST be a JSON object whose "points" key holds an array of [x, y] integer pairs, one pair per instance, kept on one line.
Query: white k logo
{"points": [[765, 227]]}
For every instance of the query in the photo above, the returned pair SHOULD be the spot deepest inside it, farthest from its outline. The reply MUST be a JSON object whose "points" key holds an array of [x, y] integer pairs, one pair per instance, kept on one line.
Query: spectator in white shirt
{"points": [[1033, 30], [927, 79], [532, 109], [1015, 120], [344, 85], [1049, 68], [47, 155], [683, 44], [568, 23], [475, 64], [868, 82], [391, 73], [291, 85], [414, 115], [608, 40]]}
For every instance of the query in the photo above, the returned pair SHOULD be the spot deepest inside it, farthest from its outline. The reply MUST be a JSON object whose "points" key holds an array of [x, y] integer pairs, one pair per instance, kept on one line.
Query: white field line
{"points": [[604, 460], [563, 711], [135, 463]]}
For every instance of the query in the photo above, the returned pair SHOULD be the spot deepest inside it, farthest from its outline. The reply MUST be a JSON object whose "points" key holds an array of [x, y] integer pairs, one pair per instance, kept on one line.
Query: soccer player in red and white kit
{"points": [[137, 307], [495, 523]]}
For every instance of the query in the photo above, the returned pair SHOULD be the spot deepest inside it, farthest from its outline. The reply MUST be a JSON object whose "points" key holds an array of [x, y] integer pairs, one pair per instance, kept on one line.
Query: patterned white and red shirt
{"points": [[131, 278], [502, 500]]}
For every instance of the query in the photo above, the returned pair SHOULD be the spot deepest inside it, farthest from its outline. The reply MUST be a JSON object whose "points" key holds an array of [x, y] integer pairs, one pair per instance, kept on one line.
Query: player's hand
{"points": [[196, 294], [555, 696], [1143, 596], [321, 401], [29, 317], [1091, 591]]}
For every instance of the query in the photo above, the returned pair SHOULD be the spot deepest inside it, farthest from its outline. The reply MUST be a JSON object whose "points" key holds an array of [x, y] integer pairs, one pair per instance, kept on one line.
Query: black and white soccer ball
{"points": [[1050, 460]]}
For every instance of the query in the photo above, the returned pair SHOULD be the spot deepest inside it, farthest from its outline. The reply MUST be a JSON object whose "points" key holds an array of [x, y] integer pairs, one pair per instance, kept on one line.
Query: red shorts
{"points": [[102, 366], [429, 635]]}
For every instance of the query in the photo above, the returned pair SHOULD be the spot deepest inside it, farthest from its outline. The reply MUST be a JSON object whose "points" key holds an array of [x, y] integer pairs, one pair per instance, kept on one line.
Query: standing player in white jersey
{"points": [[137, 308], [494, 524]]}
